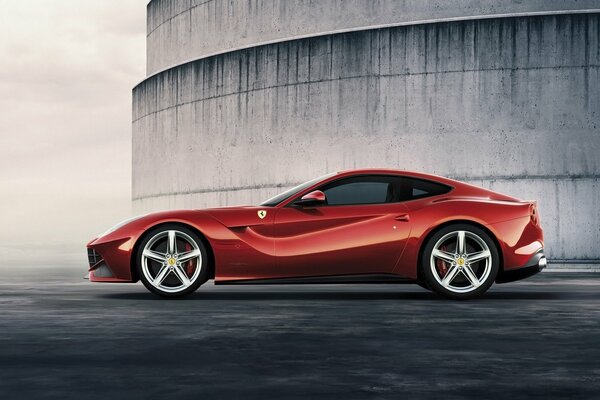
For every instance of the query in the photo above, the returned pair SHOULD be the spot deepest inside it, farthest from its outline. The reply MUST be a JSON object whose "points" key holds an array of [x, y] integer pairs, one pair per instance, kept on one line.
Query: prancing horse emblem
{"points": [[262, 214]]}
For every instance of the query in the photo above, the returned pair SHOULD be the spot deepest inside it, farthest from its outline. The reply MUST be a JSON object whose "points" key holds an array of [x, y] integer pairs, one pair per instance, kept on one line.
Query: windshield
{"points": [[273, 201]]}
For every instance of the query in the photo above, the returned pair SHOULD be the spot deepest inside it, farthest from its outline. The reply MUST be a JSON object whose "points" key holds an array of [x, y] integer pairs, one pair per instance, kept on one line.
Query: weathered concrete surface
{"points": [[185, 30], [569, 209], [510, 103], [62, 338]]}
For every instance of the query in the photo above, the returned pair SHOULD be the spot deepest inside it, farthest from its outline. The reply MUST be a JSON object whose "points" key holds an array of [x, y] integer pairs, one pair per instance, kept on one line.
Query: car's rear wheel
{"points": [[460, 261], [171, 261]]}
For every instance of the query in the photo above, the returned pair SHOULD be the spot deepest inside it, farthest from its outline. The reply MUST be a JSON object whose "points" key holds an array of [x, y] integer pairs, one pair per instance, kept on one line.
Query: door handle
{"points": [[402, 217]]}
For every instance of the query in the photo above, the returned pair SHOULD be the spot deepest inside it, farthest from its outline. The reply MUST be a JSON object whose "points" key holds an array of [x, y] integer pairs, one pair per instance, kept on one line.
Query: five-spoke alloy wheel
{"points": [[171, 261], [460, 261]]}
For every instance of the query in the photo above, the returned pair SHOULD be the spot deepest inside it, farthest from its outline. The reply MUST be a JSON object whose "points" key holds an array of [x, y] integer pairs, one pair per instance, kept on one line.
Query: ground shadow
{"points": [[352, 296]]}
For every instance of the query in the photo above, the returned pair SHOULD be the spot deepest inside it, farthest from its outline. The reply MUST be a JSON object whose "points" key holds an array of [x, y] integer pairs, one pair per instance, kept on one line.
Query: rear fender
{"points": [[427, 216]]}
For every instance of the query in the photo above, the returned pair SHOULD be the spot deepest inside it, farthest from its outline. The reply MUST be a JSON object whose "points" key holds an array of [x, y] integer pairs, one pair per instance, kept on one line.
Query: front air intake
{"points": [[93, 257], [102, 271]]}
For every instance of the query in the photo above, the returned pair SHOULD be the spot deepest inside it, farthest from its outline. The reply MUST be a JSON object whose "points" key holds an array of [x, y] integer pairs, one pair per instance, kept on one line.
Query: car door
{"points": [[361, 229]]}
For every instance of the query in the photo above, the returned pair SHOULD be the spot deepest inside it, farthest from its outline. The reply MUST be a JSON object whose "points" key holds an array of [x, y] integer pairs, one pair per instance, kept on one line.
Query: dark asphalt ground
{"points": [[63, 337]]}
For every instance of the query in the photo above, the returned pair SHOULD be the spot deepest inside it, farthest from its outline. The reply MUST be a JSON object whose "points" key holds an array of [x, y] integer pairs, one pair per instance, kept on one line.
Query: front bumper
{"points": [[536, 263], [98, 268], [109, 261]]}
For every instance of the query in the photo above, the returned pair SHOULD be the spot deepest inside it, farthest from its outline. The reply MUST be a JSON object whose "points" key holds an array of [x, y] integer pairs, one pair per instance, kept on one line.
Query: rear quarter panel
{"points": [[507, 221]]}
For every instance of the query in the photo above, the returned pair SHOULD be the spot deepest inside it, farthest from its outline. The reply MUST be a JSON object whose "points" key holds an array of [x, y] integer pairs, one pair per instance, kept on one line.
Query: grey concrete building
{"points": [[245, 98]]}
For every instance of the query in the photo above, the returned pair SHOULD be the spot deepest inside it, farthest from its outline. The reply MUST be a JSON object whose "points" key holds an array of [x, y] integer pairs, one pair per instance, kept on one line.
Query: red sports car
{"points": [[360, 226]]}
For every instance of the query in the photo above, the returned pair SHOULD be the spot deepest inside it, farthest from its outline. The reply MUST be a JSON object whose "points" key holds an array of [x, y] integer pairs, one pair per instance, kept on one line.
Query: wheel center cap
{"points": [[460, 261], [171, 261]]}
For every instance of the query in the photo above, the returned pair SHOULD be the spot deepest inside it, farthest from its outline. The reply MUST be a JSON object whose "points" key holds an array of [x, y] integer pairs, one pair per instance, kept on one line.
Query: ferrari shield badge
{"points": [[262, 214]]}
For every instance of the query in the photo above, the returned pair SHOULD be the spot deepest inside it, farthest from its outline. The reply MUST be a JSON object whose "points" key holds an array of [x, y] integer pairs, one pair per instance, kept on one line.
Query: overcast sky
{"points": [[67, 68]]}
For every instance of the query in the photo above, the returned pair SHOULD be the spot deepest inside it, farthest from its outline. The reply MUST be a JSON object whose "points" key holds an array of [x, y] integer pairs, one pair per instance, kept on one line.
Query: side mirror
{"points": [[311, 199]]}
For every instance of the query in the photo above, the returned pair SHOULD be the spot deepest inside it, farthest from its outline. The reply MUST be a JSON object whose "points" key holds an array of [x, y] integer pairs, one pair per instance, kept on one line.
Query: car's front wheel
{"points": [[460, 261], [171, 261]]}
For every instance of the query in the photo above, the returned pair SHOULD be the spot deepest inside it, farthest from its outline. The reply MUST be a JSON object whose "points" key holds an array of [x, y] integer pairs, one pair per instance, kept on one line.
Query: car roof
{"points": [[460, 188], [402, 172]]}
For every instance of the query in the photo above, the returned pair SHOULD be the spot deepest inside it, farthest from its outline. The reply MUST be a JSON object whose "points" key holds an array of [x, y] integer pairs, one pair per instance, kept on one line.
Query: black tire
{"points": [[203, 274], [427, 269]]}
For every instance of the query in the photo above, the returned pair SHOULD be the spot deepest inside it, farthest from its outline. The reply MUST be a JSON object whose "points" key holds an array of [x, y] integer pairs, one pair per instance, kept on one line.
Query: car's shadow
{"points": [[350, 296]]}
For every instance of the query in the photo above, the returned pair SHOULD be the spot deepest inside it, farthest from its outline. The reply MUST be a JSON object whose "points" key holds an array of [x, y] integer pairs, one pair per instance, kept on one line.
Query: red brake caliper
{"points": [[441, 265], [189, 267]]}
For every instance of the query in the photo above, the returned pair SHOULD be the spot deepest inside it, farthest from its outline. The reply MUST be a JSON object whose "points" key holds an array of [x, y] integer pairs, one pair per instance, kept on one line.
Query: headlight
{"points": [[120, 224]]}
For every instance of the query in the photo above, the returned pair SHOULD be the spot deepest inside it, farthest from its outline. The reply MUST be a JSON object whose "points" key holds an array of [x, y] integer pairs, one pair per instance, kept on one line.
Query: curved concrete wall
{"points": [[185, 30], [510, 103]]}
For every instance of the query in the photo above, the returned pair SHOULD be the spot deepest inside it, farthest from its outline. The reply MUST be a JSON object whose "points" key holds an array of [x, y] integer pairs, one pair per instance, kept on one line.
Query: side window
{"points": [[412, 189], [357, 193], [362, 190], [380, 189]]}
